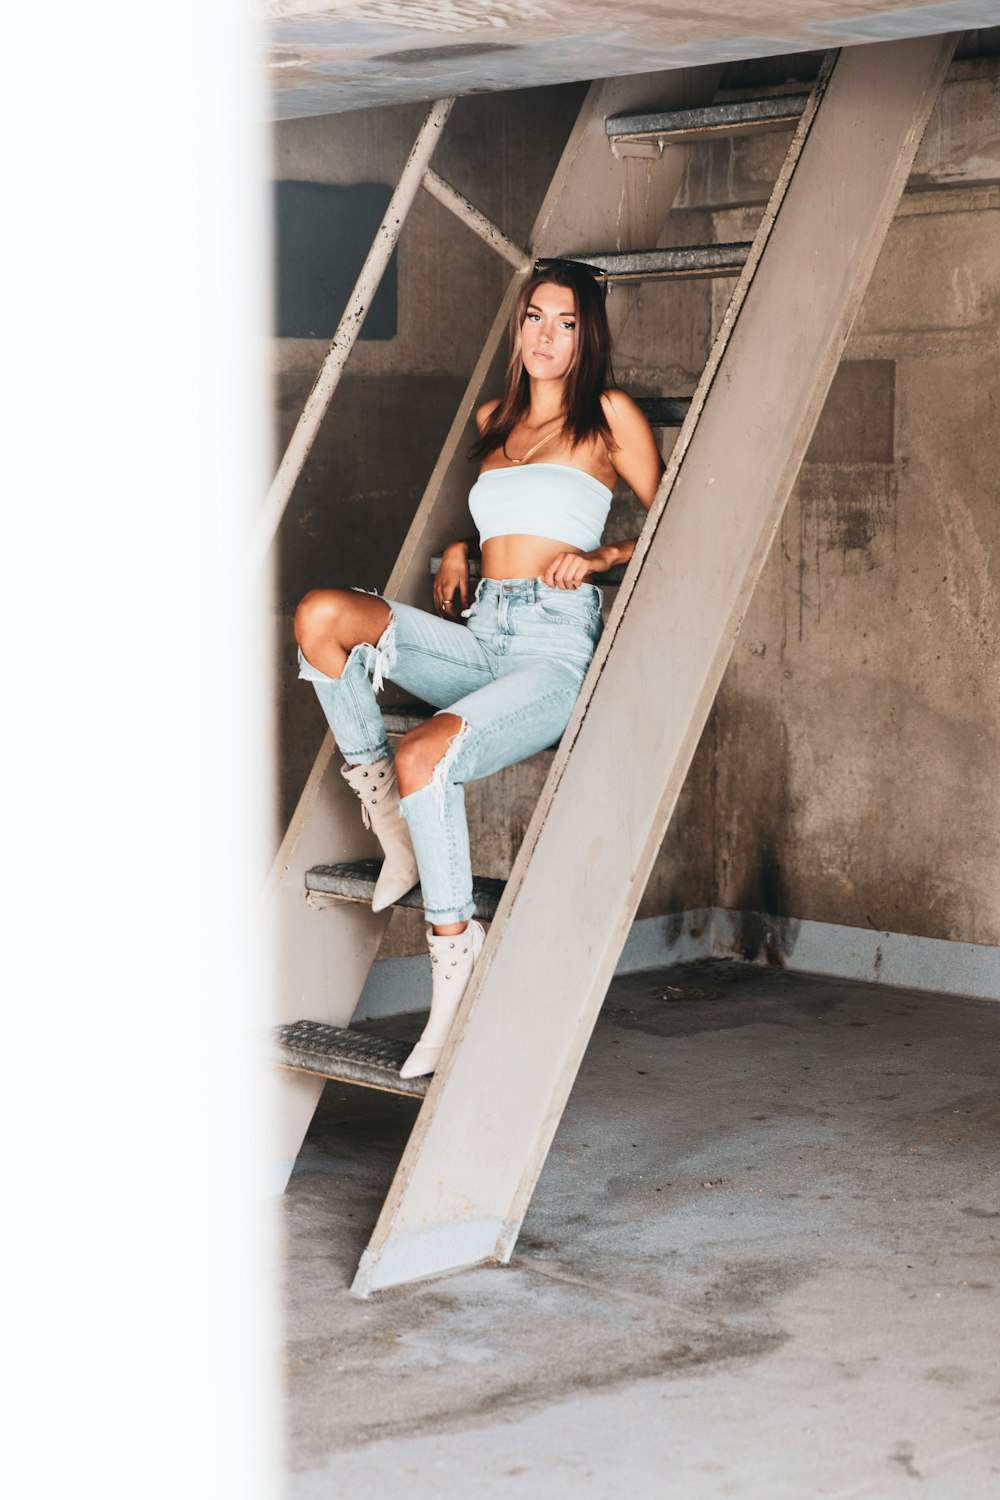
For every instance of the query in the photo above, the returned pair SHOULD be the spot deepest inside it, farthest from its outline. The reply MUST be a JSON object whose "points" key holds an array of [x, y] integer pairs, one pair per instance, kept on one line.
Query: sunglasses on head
{"points": [[557, 262]]}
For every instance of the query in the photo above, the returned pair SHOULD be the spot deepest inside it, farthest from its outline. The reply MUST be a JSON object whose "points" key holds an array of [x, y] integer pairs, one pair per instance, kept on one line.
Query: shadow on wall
{"points": [[755, 821], [758, 938]]}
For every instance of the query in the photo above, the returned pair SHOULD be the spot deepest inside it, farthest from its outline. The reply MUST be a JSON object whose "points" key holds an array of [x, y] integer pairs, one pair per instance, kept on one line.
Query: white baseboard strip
{"points": [[903, 960], [399, 985]]}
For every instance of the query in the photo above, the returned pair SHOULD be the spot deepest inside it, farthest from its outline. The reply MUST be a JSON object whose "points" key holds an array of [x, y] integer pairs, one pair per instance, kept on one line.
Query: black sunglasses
{"points": [[555, 262]]}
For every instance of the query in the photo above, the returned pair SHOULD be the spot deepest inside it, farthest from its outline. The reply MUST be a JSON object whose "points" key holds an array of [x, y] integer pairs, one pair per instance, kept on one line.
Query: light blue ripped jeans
{"points": [[512, 675]]}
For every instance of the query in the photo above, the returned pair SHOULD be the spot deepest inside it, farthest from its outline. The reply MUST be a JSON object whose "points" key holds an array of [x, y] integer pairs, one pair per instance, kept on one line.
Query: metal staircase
{"points": [[560, 921]]}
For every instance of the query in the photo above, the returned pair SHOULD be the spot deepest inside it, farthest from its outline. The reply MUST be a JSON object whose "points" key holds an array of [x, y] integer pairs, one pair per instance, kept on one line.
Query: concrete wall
{"points": [[848, 772], [852, 756]]}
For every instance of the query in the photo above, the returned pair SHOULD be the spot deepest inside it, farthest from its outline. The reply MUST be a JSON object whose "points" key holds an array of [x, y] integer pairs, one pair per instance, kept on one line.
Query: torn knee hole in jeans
{"points": [[439, 776], [381, 658]]}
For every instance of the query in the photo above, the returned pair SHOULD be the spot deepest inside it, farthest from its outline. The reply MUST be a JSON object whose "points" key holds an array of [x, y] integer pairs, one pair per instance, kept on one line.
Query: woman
{"points": [[551, 451]]}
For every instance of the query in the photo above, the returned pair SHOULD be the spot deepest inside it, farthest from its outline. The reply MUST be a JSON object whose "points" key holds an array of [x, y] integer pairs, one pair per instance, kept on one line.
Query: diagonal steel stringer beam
{"points": [[322, 958], [469, 1169]]}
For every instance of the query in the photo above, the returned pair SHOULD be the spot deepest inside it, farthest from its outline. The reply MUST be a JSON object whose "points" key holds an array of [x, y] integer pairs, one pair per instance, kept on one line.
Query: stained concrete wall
{"points": [[857, 739], [847, 773]]}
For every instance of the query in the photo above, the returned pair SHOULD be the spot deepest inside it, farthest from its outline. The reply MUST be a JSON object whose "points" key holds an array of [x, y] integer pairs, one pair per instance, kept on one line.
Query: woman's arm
{"points": [[452, 578], [636, 459]]}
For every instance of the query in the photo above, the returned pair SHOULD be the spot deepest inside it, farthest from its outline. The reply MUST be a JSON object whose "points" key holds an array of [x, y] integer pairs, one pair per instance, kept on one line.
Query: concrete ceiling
{"points": [[326, 56]]}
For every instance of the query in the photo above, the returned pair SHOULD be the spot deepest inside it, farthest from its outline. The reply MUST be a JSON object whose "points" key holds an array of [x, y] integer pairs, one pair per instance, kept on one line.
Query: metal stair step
{"points": [[683, 126], [610, 579], [677, 263], [355, 880], [402, 717], [664, 411], [348, 1056], [406, 716]]}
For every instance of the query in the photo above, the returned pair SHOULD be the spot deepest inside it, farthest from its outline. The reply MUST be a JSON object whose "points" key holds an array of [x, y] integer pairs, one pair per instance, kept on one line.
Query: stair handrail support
{"points": [[344, 339]]}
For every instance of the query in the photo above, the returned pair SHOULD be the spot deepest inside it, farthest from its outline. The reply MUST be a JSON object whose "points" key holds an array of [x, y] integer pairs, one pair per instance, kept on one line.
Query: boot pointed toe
{"points": [[392, 885], [421, 1061]]}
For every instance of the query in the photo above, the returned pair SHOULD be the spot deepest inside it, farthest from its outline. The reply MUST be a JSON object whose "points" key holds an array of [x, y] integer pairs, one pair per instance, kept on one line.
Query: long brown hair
{"points": [[588, 376]]}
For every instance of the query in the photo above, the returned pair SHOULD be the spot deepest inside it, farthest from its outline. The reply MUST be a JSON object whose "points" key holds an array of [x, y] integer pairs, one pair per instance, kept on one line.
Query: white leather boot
{"points": [[452, 959], [376, 786]]}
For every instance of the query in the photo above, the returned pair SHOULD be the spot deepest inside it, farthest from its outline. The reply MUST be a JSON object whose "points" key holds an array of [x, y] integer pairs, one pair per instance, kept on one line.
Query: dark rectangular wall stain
{"points": [[322, 234], [857, 423]]}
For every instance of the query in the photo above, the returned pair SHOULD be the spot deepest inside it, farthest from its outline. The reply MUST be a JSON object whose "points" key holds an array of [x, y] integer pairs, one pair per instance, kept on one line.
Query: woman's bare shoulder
{"points": [[633, 452], [619, 407], [484, 412]]}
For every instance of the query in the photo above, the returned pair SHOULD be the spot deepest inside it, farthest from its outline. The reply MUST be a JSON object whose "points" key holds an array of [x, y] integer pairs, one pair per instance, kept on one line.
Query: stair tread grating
{"points": [[405, 716], [673, 263], [664, 411], [337, 1052], [354, 880], [611, 579], [733, 117]]}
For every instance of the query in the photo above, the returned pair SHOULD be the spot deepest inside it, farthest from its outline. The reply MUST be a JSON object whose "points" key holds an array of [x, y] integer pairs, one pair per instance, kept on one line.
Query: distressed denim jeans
{"points": [[512, 675]]}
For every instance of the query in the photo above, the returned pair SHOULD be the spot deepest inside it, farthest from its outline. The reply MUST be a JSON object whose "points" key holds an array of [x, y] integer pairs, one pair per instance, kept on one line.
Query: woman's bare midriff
{"points": [[521, 556]]}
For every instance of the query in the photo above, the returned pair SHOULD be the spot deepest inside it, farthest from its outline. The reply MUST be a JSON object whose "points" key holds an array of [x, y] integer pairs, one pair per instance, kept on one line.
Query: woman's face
{"points": [[549, 332]]}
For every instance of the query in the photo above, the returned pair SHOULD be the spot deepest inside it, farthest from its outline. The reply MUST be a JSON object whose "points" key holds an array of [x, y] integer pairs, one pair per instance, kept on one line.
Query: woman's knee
{"points": [[421, 750], [343, 618], [318, 616]]}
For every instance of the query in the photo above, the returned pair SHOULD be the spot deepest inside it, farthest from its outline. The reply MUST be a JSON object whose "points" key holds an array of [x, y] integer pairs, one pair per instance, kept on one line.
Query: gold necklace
{"points": [[539, 444]]}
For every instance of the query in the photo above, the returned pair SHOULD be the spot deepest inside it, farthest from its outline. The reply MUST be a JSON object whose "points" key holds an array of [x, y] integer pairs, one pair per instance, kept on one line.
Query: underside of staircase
{"points": [[560, 921]]}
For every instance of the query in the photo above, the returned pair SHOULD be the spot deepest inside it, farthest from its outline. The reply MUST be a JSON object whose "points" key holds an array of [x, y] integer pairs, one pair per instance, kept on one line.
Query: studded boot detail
{"points": [[376, 787], [453, 956]]}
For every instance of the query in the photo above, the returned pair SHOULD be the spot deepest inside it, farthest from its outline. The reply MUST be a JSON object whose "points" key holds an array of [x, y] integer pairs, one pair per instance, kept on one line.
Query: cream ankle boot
{"points": [[376, 786], [452, 960]]}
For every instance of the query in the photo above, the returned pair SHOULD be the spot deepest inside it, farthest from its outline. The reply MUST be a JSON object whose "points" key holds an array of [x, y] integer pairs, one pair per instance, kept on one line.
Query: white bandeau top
{"points": [[550, 500]]}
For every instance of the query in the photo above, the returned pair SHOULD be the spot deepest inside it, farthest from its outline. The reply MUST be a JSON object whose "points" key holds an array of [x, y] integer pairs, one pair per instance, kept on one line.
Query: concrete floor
{"points": [[763, 1260]]}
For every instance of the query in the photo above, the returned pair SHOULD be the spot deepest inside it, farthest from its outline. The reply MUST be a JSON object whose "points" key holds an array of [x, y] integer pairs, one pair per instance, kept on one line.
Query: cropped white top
{"points": [[550, 500]]}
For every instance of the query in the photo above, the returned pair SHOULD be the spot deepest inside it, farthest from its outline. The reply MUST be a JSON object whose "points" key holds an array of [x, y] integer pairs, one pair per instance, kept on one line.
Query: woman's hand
{"points": [[452, 578], [569, 569]]}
